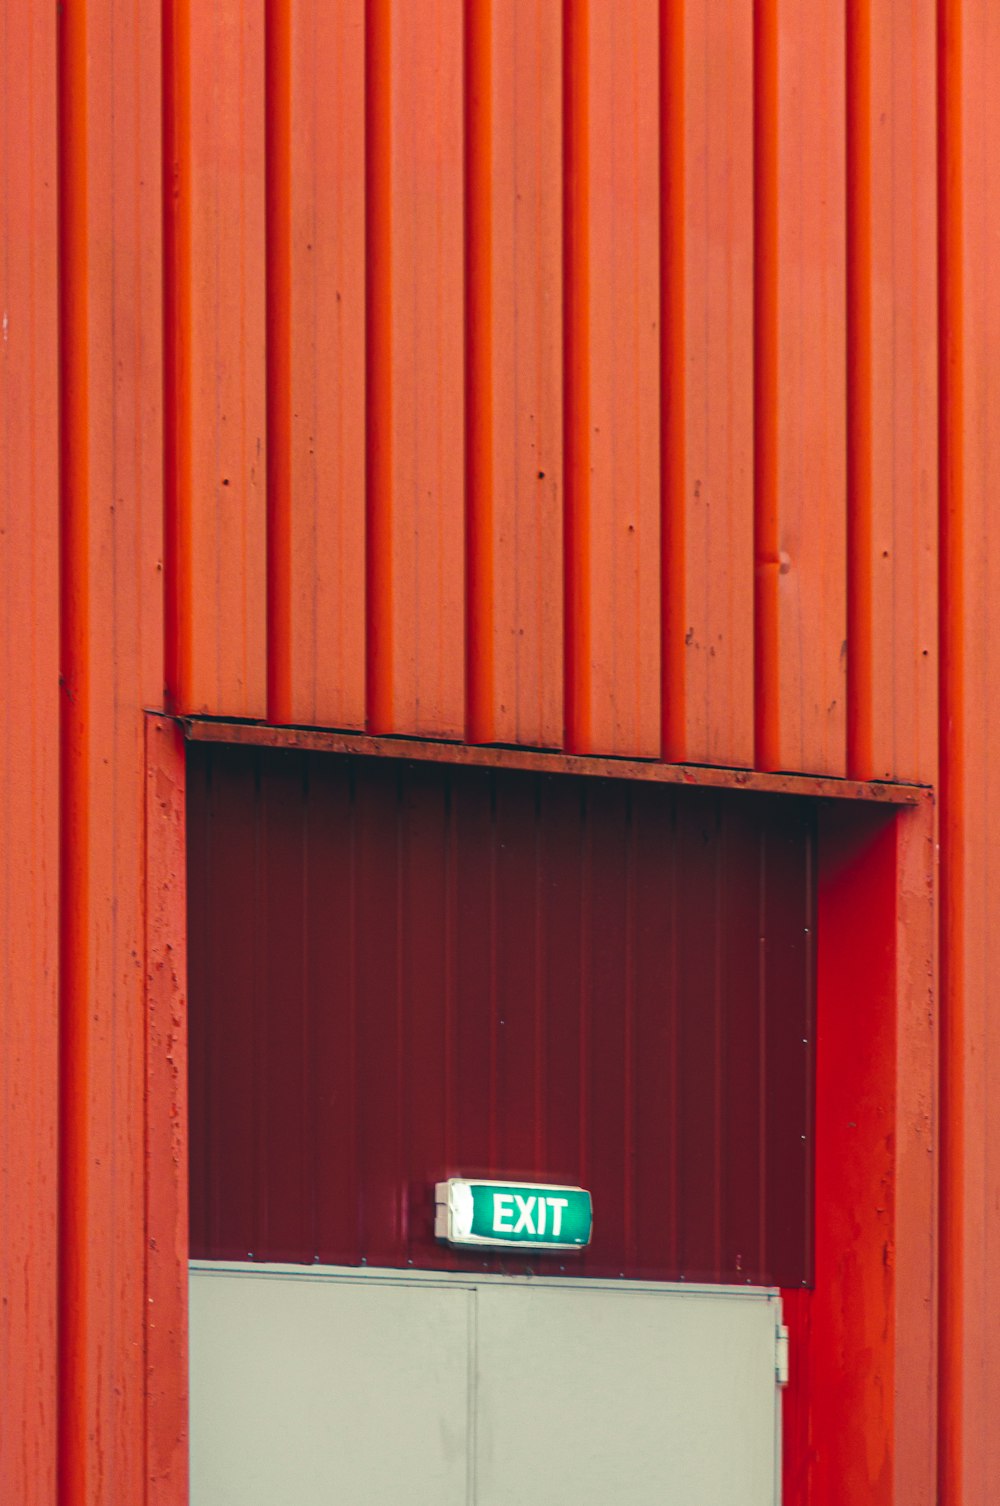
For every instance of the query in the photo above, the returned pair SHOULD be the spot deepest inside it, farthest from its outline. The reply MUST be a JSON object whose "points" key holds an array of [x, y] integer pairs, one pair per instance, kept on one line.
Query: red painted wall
{"points": [[272, 423]]}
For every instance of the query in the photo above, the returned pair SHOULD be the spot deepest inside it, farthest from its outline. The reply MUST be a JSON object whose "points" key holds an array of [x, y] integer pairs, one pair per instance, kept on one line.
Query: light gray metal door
{"points": [[317, 1386], [311, 1392], [644, 1397]]}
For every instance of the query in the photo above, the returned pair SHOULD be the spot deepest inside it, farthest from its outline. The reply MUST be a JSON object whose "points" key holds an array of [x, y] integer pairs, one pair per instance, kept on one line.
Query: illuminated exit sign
{"points": [[519, 1214]]}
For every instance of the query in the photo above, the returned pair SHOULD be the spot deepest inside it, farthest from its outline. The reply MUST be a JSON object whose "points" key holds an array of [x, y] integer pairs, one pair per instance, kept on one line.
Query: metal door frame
{"points": [[876, 1215]]}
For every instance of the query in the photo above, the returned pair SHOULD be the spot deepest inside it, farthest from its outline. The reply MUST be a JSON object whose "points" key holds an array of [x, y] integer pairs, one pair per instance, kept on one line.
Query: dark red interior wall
{"points": [[401, 972]]}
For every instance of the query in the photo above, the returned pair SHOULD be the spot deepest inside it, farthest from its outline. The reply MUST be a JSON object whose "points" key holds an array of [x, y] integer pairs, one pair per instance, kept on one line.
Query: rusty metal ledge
{"points": [[313, 739]]}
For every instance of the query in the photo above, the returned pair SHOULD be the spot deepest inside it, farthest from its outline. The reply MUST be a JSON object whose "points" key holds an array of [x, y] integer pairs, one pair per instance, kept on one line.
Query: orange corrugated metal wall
{"points": [[469, 433], [559, 374]]}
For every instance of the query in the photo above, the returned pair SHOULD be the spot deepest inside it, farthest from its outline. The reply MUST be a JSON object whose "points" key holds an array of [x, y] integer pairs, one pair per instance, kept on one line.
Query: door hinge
{"points": [[781, 1354]]}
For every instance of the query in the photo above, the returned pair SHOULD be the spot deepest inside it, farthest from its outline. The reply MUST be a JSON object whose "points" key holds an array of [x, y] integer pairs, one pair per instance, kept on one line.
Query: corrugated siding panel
{"points": [[708, 392], [112, 664], [613, 400], [892, 392], [401, 972], [165, 1142], [800, 437], [970, 811], [29, 753], [514, 388], [216, 258], [416, 383], [316, 363]]}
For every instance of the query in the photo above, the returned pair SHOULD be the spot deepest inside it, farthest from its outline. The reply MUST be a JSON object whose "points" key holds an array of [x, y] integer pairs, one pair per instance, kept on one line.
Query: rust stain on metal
{"points": [[261, 735]]}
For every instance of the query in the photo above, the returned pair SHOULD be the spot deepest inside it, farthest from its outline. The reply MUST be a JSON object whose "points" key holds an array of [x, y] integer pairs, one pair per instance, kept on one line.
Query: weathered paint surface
{"points": [[970, 817], [406, 487], [29, 751], [111, 622], [166, 1207]]}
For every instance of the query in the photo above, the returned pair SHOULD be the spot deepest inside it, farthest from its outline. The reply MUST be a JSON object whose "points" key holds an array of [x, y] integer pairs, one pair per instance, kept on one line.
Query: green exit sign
{"points": [[536, 1215]]}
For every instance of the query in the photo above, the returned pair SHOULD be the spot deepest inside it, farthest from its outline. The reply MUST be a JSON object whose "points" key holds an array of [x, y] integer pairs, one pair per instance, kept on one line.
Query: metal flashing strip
{"points": [[534, 760], [471, 1279]]}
